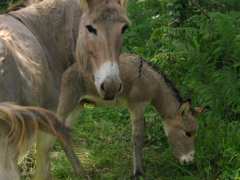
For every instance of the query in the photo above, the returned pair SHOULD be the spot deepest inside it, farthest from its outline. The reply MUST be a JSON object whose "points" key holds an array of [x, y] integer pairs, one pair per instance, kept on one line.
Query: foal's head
{"points": [[181, 131], [99, 43]]}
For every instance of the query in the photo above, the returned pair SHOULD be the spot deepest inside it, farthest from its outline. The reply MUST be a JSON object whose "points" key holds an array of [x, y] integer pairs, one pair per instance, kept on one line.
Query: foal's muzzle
{"points": [[187, 158]]}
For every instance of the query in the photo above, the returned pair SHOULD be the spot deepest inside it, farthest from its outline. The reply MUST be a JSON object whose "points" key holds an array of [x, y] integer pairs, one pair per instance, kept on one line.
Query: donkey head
{"points": [[181, 132], [99, 43]]}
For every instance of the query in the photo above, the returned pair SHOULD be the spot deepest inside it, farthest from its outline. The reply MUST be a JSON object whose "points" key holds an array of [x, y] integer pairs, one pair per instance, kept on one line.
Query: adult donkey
{"points": [[37, 45], [142, 86]]}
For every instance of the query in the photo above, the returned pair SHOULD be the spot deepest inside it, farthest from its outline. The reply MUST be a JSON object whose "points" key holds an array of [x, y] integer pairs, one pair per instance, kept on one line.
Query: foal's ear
{"points": [[185, 107], [198, 111], [123, 3]]}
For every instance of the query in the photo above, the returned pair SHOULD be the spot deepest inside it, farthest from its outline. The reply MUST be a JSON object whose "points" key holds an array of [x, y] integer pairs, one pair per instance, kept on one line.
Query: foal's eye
{"points": [[124, 29], [188, 134], [91, 29]]}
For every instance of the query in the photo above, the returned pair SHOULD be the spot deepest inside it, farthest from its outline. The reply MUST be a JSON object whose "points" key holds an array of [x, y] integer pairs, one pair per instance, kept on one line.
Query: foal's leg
{"points": [[137, 118]]}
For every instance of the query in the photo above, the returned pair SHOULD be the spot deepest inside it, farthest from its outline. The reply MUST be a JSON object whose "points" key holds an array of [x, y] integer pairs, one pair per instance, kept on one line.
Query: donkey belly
{"points": [[24, 74]]}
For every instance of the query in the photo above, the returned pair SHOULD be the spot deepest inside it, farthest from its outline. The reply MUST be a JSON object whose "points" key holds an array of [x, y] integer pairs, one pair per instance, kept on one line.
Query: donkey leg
{"points": [[71, 92], [44, 145], [137, 118], [8, 160], [68, 101], [72, 89]]}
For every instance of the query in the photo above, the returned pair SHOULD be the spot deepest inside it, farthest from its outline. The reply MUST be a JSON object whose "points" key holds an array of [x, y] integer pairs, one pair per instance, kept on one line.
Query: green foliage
{"points": [[4, 4], [197, 44], [201, 55]]}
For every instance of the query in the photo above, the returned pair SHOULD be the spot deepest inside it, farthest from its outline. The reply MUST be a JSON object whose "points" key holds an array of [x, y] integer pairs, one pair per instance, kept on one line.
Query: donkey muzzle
{"points": [[108, 81], [110, 88], [187, 158]]}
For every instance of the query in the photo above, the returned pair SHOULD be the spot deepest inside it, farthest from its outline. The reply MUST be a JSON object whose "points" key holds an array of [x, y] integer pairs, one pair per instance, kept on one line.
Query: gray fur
{"points": [[138, 91]]}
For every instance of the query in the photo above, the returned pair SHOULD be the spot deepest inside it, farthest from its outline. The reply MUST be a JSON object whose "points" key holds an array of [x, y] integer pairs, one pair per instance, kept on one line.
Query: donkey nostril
{"points": [[102, 87]]}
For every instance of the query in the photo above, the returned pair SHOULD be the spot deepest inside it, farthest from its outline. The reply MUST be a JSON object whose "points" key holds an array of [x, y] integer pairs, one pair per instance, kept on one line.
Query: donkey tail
{"points": [[24, 121]]}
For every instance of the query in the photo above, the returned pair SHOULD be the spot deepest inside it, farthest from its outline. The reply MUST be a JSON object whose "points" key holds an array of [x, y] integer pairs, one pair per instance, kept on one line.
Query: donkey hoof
{"points": [[138, 176]]}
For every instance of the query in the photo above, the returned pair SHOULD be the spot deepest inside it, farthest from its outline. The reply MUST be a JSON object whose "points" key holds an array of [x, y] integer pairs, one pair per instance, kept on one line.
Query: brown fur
{"points": [[142, 86], [107, 19], [37, 44], [20, 126]]}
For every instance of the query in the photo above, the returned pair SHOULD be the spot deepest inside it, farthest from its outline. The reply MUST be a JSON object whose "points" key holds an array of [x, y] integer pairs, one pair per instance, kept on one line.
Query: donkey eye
{"points": [[91, 29], [124, 29]]}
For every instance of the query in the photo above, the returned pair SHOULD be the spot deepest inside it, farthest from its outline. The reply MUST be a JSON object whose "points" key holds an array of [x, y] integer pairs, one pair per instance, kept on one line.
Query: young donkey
{"points": [[19, 126], [141, 85]]}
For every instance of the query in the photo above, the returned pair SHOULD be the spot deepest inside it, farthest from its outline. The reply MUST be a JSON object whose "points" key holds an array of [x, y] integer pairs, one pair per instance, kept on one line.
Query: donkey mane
{"points": [[169, 83], [172, 86]]}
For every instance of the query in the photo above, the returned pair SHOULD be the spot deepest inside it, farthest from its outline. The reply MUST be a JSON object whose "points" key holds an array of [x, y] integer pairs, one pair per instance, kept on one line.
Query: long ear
{"points": [[123, 3], [185, 107], [198, 111]]}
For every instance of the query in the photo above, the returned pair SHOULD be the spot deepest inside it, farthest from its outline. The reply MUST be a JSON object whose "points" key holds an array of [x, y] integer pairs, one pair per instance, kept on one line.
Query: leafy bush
{"points": [[197, 44]]}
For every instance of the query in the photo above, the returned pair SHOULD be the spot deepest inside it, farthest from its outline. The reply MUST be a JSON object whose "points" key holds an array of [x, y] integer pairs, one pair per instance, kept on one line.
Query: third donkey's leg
{"points": [[71, 92], [72, 88], [44, 145], [68, 100], [137, 118]]}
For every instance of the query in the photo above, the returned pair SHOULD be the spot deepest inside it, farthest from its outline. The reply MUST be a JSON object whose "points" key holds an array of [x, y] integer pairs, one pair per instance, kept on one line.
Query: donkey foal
{"points": [[19, 126], [141, 85]]}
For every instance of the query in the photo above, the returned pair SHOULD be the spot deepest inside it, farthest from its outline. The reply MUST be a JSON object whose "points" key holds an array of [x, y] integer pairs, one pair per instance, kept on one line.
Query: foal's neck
{"points": [[168, 100]]}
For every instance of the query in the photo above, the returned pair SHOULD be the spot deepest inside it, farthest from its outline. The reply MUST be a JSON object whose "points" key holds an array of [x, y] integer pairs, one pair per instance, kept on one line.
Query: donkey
{"points": [[18, 131], [38, 43], [142, 85]]}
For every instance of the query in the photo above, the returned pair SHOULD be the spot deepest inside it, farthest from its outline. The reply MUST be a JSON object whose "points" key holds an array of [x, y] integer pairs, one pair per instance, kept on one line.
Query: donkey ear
{"points": [[123, 3], [198, 111], [185, 107]]}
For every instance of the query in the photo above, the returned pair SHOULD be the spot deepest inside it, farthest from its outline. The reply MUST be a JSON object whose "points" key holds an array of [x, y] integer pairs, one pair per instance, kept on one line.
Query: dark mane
{"points": [[169, 83]]}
